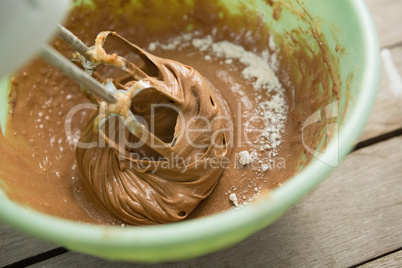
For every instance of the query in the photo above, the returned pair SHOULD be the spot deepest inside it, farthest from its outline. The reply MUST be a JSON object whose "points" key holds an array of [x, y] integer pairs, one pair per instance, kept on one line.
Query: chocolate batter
{"points": [[145, 184], [47, 178]]}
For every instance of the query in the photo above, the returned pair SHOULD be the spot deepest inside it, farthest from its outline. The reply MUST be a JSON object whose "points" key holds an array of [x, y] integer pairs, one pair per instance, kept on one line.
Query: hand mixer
{"points": [[114, 102], [17, 20], [26, 25], [53, 57]]}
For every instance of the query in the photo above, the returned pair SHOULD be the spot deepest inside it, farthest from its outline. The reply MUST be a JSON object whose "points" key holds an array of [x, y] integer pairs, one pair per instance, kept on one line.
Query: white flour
{"points": [[244, 158], [233, 198], [260, 71]]}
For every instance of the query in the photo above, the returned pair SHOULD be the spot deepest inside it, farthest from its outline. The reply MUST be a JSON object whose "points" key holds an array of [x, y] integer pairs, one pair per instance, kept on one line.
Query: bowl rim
{"points": [[57, 229]]}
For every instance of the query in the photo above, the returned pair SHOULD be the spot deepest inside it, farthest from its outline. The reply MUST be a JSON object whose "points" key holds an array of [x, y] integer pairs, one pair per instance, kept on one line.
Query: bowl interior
{"points": [[345, 28]]}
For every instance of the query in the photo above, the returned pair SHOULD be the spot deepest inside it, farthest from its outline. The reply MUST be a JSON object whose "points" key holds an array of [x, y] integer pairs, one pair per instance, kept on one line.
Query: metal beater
{"points": [[107, 91]]}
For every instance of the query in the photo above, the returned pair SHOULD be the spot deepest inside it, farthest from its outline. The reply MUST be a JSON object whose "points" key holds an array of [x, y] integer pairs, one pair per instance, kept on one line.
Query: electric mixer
{"points": [[18, 20]]}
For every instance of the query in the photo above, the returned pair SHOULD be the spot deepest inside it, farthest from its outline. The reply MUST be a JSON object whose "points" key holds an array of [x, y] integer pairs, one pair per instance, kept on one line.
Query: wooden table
{"points": [[353, 219]]}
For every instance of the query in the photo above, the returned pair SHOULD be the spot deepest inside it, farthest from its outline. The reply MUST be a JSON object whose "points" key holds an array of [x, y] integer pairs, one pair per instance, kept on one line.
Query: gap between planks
{"points": [[387, 111], [54, 251], [386, 116], [390, 259], [351, 217]]}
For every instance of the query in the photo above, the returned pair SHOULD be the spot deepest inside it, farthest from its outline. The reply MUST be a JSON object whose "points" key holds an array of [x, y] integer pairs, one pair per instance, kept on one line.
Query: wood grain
{"points": [[386, 115], [352, 217], [390, 261], [15, 246], [387, 111], [387, 16]]}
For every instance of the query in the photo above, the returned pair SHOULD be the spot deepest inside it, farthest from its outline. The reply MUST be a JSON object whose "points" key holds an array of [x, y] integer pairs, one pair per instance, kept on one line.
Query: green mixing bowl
{"points": [[342, 22]]}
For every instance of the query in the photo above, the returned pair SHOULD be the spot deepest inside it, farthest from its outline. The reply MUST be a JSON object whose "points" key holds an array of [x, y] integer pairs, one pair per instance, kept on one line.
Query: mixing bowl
{"points": [[345, 28]]}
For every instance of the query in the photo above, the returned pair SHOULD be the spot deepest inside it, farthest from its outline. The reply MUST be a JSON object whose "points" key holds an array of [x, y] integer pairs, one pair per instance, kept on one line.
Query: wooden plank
{"points": [[386, 117], [387, 111], [354, 216], [390, 261], [15, 246], [387, 18]]}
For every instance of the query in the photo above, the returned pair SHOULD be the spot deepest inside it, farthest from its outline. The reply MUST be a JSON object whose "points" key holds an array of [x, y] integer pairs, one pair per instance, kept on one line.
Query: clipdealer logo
{"points": [[331, 116]]}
